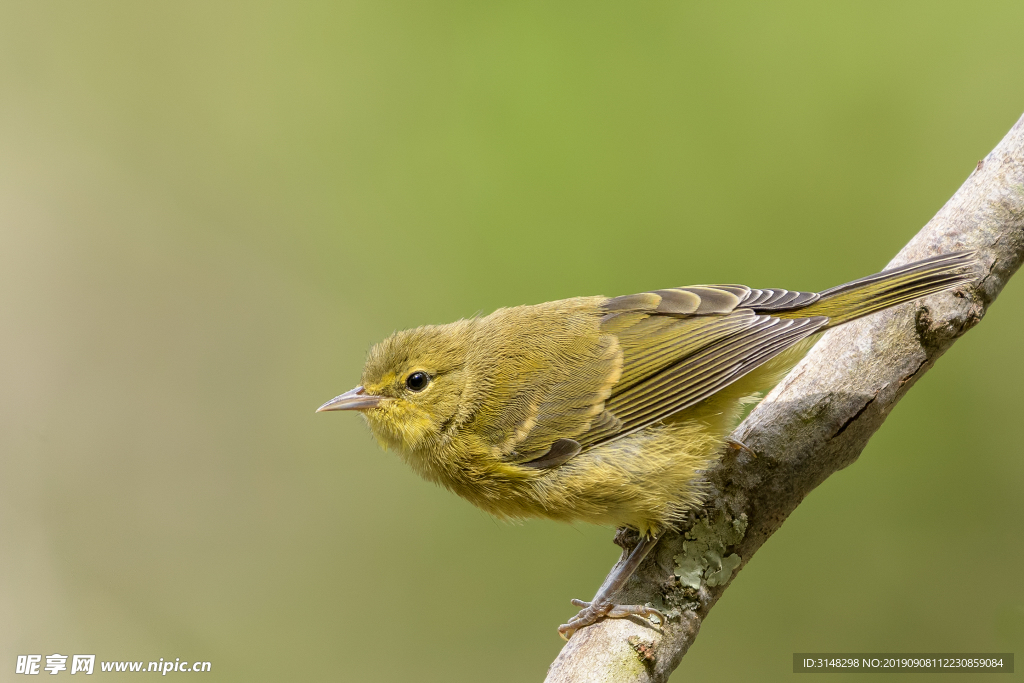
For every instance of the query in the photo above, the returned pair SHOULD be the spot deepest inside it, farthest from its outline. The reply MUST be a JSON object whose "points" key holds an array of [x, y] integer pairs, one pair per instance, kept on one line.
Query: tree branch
{"points": [[816, 422]]}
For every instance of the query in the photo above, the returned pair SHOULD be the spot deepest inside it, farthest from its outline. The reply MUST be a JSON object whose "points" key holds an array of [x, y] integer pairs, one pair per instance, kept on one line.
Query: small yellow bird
{"points": [[602, 409]]}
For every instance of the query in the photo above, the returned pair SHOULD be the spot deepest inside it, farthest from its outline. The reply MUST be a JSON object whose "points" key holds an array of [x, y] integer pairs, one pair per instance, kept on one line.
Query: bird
{"points": [[605, 409]]}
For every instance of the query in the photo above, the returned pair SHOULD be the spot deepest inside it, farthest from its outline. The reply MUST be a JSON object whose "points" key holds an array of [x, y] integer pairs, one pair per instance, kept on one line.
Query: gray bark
{"points": [[816, 422]]}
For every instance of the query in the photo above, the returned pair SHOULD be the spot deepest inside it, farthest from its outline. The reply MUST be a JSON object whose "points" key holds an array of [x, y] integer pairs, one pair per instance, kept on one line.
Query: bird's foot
{"points": [[593, 612], [737, 445]]}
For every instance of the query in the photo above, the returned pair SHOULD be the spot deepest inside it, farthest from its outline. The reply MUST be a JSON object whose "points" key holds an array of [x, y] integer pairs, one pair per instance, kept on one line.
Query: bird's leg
{"points": [[602, 606]]}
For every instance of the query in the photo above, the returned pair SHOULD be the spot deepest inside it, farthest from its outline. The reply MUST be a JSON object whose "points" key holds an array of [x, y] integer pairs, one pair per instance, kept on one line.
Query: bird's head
{"points": [[411, 386]]}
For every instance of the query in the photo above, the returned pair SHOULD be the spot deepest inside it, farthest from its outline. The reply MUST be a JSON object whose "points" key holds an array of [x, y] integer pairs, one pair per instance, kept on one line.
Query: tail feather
{"points": [[890, 287]]}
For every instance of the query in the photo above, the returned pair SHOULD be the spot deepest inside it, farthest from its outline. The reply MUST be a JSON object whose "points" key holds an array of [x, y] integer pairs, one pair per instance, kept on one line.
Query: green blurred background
{"points": [[209, 211]]}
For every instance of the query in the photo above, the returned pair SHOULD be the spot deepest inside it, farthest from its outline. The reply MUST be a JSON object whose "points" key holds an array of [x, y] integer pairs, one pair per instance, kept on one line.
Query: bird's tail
{"points": [[890, 287]]}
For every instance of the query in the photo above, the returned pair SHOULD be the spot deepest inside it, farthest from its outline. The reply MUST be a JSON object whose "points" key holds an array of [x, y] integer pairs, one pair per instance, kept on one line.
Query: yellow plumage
{"points": [[601, 409]]}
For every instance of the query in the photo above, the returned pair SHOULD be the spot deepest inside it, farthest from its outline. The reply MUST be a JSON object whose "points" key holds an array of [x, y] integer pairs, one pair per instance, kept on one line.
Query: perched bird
{"points": [[603, 409]]}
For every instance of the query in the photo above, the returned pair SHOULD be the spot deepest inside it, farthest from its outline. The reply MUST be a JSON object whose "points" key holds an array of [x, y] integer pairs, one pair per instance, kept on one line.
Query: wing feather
{"points": [[777, 299], [701, 374], [675, 348]]}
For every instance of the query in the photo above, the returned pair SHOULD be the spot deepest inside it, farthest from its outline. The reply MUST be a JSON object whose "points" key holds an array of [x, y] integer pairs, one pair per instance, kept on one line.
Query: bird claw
{"points": [[593, 612], [737, 445]]}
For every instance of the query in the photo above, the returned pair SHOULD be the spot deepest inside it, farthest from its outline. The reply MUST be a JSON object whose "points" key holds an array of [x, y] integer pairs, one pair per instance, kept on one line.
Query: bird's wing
{"points": [[680, 346]]}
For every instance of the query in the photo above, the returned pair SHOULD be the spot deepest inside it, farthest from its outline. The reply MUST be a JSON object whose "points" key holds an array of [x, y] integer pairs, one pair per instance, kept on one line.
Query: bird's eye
{"points": [[417, 381]]}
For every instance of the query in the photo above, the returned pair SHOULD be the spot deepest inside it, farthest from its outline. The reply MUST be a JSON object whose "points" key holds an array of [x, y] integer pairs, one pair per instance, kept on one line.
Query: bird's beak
{"points": [[356, 399]]}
